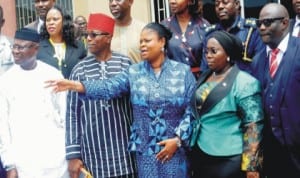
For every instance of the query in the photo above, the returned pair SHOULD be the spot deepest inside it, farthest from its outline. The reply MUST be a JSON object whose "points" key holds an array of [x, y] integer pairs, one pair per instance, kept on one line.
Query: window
{"points": [[160, 10]]}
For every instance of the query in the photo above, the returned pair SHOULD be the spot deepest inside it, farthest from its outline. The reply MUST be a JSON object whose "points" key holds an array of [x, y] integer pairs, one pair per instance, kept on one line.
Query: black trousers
{"points": [[277, 160], [206, 166]]}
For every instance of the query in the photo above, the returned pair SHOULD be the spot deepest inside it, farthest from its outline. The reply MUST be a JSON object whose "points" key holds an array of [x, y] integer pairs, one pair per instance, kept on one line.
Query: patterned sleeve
{"points": [[114, 87], [184, 129], [250, 109]]}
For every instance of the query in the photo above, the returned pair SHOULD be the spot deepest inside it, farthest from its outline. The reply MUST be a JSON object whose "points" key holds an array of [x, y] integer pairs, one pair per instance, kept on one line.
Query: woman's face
{"points": [[54, 22], [215, 55], [178, 6], [151, 45]]}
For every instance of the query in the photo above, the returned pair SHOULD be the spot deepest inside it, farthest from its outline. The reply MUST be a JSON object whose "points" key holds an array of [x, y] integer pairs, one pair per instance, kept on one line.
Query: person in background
{"points": [[278, 70], [187, 27], [6, 61], [41, 7], [127, 30], [58, 46], [32, 132], [200, 13], [6, 58], [80, 29], [160, 90], [245, 29], [98, 130], [227, 106], [295, 22]]}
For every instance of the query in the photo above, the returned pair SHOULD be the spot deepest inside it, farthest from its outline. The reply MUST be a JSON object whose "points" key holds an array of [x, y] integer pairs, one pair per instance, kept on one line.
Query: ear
{"points": [[108, 38], [130, 2], [163, 42], [2, 23], [286, 22], [237, 4]]}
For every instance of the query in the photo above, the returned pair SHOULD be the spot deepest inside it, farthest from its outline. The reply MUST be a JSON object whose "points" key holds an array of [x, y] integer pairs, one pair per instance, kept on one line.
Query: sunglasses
{"points": [[267, 22], [94, 34]]}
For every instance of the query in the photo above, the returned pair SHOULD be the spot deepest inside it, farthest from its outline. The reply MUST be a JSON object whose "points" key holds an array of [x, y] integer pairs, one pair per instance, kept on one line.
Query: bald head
{"points": [[276, 10], [273, 24]]}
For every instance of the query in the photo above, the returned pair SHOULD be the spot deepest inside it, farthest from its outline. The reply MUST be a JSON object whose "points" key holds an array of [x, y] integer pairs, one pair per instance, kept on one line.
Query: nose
{"points": [[220, 5]]}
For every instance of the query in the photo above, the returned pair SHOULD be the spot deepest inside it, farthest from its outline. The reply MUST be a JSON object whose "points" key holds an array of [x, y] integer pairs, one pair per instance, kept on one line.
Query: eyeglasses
{"points": [[267, 22], [21, 48], [38, 1], [118, 1], [81, 23], [94, 34]]}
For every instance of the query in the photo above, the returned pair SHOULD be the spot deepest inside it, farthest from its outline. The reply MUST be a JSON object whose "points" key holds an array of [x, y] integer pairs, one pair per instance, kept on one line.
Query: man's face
{"points": [[97, 41], [120, 8], [42, 6], [81, 24], [296, 6], [226, 9], [271, 26], [23, 51]]}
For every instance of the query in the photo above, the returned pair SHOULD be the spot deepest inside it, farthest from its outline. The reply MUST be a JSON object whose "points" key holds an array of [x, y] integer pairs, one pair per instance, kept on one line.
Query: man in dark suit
{"points": [[279, 75], [41, 8], [295, 22]]}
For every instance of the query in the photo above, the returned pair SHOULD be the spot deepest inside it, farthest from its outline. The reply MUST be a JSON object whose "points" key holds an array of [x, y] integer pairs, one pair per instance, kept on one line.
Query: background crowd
{"points": [[112, 96]]}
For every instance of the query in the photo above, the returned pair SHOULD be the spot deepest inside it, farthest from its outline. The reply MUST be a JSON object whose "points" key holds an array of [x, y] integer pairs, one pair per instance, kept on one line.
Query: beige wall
{"points": [[139, 10], [10, 25]]}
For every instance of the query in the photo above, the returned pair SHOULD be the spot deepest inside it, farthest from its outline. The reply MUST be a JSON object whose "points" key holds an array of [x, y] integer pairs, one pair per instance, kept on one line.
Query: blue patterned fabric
{"points": [[161, 107], [186, 47]]}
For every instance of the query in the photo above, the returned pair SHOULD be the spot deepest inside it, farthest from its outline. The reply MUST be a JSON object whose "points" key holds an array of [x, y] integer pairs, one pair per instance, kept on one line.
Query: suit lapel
{"points": [[287, 64]]}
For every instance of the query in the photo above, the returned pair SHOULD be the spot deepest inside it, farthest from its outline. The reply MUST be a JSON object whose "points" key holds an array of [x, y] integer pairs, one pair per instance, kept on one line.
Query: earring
{"points": [[228, 59], [162, 49]]}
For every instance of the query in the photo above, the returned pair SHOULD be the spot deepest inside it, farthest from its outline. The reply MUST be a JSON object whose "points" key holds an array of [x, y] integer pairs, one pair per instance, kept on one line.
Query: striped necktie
{"points": [[273, 62]]}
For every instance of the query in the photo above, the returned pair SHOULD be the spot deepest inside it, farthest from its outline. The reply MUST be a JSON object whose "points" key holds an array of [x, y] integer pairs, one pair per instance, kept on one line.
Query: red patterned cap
{"points": [[101, 22]]}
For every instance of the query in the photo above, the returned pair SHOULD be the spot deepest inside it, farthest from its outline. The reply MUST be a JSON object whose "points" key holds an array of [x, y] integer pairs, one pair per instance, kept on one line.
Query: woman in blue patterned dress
{"points": [[160, 90]]}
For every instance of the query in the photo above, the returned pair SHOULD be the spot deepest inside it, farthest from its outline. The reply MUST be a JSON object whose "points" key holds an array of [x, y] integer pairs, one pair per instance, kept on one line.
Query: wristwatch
{"points": [[178, 142]]}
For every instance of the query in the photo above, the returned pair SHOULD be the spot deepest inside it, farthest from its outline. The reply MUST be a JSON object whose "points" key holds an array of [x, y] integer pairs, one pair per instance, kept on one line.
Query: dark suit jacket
{"points": [[292, 23], [72, 56], [287, 99]]}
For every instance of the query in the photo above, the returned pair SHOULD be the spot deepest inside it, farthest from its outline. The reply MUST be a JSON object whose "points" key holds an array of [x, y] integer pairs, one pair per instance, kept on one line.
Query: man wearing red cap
{"points": [[98, 130]]}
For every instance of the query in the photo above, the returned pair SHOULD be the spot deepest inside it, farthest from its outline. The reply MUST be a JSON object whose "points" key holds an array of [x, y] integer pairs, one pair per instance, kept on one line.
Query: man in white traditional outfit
{"points": [[6, 59], [32, 134]]}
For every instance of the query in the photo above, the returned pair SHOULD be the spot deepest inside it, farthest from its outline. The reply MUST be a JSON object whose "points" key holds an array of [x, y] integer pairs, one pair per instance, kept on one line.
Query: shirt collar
{"points": [[282, 45], [297, 21]]}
